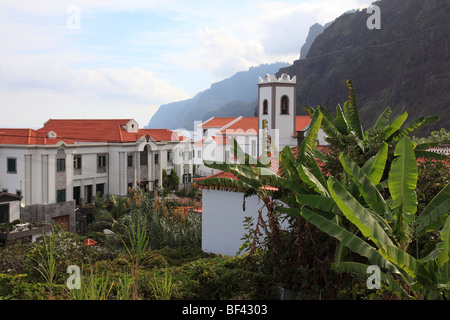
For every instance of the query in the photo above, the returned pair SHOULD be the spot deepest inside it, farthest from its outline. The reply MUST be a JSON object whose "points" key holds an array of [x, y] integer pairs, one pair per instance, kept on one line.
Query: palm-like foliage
{"points": [[371, 206], [345, 133], [113, 216]]}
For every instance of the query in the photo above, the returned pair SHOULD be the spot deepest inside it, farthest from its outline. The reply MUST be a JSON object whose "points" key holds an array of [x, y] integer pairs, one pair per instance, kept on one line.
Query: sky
{"points": [[109, 59]]}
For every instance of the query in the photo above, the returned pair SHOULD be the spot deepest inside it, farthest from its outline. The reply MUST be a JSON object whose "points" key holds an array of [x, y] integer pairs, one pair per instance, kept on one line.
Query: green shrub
{"points": [[13, 258], [18, 287]]}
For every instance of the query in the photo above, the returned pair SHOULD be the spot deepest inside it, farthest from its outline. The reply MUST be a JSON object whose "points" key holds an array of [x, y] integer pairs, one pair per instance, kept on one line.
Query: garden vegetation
{"points": [[375, 198]]}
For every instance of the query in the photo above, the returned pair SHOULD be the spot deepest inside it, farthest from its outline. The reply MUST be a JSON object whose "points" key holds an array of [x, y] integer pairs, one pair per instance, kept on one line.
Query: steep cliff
{"points": [[405, 64]]}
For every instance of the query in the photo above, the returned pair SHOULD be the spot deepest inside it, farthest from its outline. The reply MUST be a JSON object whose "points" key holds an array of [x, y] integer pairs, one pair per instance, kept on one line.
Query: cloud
{"points": [[220, 51], [64, 92], [129, 57]]}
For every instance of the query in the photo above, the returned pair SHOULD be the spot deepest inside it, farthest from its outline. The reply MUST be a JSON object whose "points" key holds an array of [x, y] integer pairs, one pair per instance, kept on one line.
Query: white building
{"points": [[276, 125], [222, 211], [69, 161]]}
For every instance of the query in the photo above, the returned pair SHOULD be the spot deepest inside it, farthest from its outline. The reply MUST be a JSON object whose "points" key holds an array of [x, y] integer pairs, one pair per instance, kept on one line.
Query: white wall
{"points": [[14, 210], [222, 220]]}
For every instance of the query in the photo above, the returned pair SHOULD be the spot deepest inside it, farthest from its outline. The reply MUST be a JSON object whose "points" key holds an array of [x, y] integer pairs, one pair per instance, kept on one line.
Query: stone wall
{"points": [[46, 212]]}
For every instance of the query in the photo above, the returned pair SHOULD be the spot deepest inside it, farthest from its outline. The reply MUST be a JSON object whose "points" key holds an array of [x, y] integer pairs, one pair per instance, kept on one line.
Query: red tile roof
{"points": [[27, 137], [163, 135], [91, 130], [217, 122], [84, 130], [250, 123], [301, 122], [247, 125]]}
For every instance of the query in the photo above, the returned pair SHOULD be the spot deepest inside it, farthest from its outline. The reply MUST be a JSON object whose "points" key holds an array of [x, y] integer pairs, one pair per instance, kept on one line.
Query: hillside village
{"points": [[64, 165]]}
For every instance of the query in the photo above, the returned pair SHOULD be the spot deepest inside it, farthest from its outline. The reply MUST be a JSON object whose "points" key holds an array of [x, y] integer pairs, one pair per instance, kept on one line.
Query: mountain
{"points": [[404, 65], [235, 96], [315, 30]]}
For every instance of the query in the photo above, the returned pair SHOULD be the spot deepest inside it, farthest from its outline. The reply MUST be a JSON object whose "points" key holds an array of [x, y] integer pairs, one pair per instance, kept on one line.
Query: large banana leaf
{"points": [[322, 203], [367, 189], [395, 125], [434, 215], [408, 263], [351, 112], [341, 121], [360, 216], [311, 180], [328, 123], [375, 166], [361, 269], [443, 257], [414, 126], [403, 177], [227, 183], [307, 147], [383, 119], [348, 239]]}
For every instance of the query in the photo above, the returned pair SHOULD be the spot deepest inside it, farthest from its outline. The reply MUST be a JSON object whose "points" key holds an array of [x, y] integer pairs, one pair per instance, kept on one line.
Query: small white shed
{"points": [[223, 220]]}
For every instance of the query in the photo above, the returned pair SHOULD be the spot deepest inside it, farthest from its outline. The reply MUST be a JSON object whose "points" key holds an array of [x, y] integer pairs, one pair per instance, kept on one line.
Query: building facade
{"points": [[66, 163]]}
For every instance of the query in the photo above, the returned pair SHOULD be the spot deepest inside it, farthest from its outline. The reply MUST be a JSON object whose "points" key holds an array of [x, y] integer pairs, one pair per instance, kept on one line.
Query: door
{"points": [[77, 195], [63, 221]]}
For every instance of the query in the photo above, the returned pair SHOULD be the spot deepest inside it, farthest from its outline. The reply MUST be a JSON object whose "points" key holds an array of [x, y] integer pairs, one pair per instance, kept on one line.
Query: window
{"points": [[61, 195], [101, 161], [4, 213], [156, 158], [265, 107], [76, 162], [60, 165], [253, 148], [199, 154], [144, 157], [186, 155], [284, 105], [187, 178], [130, 160], [19, 193], [169, 156], [12, 165]]}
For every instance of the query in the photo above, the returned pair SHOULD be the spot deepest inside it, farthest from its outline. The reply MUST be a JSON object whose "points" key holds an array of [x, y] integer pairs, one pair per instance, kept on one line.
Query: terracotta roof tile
{"points": [[218, 122], [84, 130], [246, 125], [27, 137], [301, 122]]}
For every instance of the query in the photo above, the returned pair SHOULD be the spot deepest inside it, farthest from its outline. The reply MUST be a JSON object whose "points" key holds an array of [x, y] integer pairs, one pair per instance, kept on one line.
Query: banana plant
{"points": [[388, 225], [345, 132]]}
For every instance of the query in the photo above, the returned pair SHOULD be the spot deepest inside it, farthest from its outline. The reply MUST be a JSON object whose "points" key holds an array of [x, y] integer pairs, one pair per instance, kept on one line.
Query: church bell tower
{"points": [[276, 112]]}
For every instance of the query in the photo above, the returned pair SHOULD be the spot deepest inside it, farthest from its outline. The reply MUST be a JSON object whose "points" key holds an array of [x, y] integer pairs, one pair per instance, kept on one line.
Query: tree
{"points": [[171, 181], [436, 137]]}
